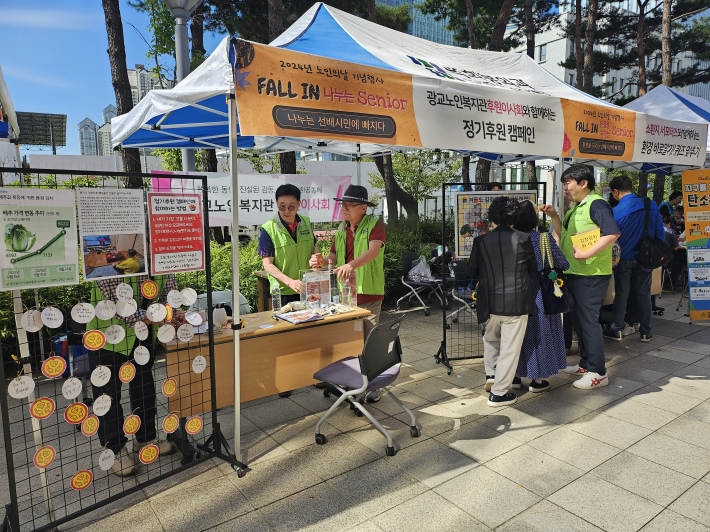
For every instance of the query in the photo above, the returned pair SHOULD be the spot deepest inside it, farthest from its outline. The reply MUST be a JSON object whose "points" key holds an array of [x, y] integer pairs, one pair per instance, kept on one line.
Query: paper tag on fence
{"points": [[175, 299], [52, 317], [124, 292], [21, 387], [102, 405], [32, 321], [71, 388], [105, 309], [83, 312], [107, 459]]}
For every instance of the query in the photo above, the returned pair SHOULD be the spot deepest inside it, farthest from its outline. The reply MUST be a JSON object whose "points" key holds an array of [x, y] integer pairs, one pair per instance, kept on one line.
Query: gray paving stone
{"points": [[259, 447], [633, 372], [547, 517], [694, 503], [688, 430], [550, 409], [693, 347], [591, 399], [298, 433], [139, 517], [605, 505], [574, 448], [603, 427], [339, 455], [620, 386], [674, 454], [478, 442], [688, 384], [432, 389], [251, 522], [703, 362], [670, 521], [664, 399], [274, 412], [367, 526], [518, 425], [371, 438], [700, 412], [433, 419], [657, 363], [638, 413], [387, 405], [676, 354]]}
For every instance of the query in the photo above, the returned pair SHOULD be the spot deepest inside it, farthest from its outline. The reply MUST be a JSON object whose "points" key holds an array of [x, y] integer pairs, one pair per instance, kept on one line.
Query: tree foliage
{"points": [[161, 27]]}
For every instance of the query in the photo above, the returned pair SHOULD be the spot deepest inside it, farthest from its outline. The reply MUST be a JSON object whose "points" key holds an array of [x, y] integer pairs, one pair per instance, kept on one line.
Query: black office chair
{"points": [[416, 288]]}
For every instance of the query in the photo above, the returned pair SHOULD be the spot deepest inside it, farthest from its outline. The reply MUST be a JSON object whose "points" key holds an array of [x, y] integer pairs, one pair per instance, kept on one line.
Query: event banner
{"points": [[257, 200], [39, 227], [177, 232], [285, 93], [696, 200]]}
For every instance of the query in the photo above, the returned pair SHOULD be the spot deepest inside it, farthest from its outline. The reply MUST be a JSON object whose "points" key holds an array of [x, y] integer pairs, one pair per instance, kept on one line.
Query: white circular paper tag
{"points": [[102, 405], [124, 292], [141, 355], [100, 376], [185, 332], [115, 334], [189, 296], [106, 459], [105, 309], [141, 330], [71, 388], [199, 364], [52, 317], [175, 299], [21, 388], [83, 312], [32, 321], [156, 312], [126, 308], [193, 318], [166, 333]]}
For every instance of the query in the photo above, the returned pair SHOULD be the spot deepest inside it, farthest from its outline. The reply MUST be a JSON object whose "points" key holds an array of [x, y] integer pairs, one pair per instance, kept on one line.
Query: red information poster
{"points": [[177, 238]]}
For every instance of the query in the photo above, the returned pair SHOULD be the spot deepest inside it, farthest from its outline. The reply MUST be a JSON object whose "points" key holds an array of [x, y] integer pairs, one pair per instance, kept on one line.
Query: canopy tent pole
{"points": [[358, 163], [235, 272]]}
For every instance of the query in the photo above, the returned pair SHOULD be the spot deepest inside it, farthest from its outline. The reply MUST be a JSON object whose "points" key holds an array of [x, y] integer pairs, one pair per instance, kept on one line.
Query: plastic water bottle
{"points": [[330, 264], [276, 299]]}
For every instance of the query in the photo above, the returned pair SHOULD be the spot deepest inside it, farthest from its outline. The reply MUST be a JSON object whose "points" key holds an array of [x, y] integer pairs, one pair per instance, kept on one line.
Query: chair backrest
{"points": [[382, 348], [407, 259], [459, 270]]}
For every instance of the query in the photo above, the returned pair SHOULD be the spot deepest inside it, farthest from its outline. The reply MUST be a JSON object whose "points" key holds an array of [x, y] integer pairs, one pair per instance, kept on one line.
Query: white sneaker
{"points": [[575, 370], [591, 380], [628, 329], [490, 379], [123, 464]]}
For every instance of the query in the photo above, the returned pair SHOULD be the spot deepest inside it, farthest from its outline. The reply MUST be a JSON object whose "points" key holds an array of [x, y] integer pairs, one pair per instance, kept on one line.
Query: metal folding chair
{"points": [[417, 288], [375, 369]]}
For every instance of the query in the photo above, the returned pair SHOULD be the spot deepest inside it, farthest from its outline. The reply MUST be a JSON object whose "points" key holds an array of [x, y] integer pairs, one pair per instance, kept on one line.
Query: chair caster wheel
{"points": [[448, 326], [448, 372], [426, 313], [437, 361], [390, 451], [414, 432], [321, 439], [326, 393], [455, 320], [358, 413], [241, 472]]}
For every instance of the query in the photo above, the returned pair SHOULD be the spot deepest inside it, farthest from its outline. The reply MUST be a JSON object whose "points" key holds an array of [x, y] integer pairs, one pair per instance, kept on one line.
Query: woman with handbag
{"points": [[543, 351]]}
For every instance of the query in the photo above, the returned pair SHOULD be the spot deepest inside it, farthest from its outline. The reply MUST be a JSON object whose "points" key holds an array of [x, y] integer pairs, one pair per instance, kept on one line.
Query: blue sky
{"points": [[53, 57]]}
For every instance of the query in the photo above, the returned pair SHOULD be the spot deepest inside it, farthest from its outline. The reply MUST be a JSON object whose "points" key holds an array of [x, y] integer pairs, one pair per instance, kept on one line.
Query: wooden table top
{"points": [[261, 273], [252, 328]]}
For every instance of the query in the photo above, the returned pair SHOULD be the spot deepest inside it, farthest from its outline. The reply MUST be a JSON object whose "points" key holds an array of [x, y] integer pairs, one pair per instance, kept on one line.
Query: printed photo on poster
{"points": [[177, 242], [113, 233], [40, 238]]}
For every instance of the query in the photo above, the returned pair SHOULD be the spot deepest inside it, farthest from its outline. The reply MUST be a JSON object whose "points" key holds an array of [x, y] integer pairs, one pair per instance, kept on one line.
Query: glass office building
{"points": [[424, 26]]}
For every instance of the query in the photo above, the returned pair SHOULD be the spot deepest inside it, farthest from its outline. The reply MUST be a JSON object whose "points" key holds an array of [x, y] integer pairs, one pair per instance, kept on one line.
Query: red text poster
{"points": [[177, 238]]}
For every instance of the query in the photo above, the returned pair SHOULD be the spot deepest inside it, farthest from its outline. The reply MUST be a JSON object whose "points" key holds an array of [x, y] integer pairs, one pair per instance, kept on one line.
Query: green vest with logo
{"points": [[370, 278], [576, 221], [290, 257], [126, 345]]}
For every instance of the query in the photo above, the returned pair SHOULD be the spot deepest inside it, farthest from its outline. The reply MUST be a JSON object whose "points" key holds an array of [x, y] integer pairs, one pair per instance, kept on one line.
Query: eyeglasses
{"points": [[349, 206], [285, 208]]}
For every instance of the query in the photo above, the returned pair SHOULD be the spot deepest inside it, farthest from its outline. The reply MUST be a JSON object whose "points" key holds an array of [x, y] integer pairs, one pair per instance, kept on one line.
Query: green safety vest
{"points": [[370, 278], [126, 345], [290, 257], [576, 221]]}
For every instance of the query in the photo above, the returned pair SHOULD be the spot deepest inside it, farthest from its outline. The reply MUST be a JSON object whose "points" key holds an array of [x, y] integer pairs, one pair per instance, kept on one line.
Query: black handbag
{"points": [[653, 253], [556, 297]]}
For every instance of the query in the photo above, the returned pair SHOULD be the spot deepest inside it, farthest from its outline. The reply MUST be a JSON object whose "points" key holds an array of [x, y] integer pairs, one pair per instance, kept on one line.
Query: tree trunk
{"points": [[276, 19], [372, 11], [578, 54], [592, 8], [640, 46], [483, 174], [466, 172], [197, 25], [121, 86], [531, 172], [498, 33], [469, 24], [288, 162], [666, 43], [530, 28], [659, 188], [643, 185], [394, 193]]}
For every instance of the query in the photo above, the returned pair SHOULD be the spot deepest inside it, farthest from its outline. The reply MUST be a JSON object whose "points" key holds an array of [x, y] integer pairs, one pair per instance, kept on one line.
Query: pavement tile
{"points": [[258, 447], [274, 412], [371, 438], [139, 517], [664, 399], [688, 430], [432, 462], [676, 354], [410, 355], [700, 412], [465, 377], [632, 371], [638, 413], [487, 496], [657, 363], [688, 384], [427, 347], [251, 522], [550, 409], [469, 407], [432, 389], [387, 405], [190, 478], [532, 469], [367, 526], [693, 347], [675, 330], [574, 448], [591, 399], [704, 362], [621, 386], [312, 399], [518, 425], [644, 478], [668, 520], [603, 427], [547, 517], [478, 442], [428, 366], [428, 512], [605, 505], [694, 503], [339, 455], [674, 454], [298, 433]]}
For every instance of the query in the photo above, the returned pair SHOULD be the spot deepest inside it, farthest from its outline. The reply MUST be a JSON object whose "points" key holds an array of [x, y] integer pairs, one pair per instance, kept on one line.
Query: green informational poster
{"points": [[40, 245]]}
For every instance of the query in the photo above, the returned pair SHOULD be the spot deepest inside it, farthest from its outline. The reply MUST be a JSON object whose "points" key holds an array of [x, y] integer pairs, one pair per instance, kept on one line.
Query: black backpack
{"points": [[652, 253]]}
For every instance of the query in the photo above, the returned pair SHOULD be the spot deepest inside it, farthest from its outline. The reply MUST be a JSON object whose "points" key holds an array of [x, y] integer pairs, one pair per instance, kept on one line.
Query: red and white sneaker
{"points": [[591, 380], [575, 370]]}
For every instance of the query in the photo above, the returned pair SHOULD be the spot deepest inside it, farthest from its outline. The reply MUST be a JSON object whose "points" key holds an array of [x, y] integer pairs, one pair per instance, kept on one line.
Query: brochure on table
{"points": [[323, 289]]}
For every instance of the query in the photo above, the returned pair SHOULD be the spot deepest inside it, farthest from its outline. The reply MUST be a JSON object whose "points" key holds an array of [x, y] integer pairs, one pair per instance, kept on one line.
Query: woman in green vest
{"points": [[590, 269]]}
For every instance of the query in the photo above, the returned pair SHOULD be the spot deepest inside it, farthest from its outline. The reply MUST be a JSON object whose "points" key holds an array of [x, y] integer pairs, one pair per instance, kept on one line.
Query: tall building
{"points": [[424, 26], [143, 81], [104, 139], [87, 137], [108, 113]]}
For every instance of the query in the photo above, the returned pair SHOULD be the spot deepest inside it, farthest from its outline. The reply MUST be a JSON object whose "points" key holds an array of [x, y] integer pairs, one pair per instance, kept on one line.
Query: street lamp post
{"points": [[181, 10]]}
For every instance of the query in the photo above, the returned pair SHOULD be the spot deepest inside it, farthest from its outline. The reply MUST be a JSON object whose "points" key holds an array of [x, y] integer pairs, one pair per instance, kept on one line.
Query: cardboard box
{"points": [[655, 287]]}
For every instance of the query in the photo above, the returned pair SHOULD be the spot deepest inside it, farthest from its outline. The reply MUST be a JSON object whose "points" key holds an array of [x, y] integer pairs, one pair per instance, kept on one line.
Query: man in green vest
{"points": [[142, 386], [590, 269], [286, 245]]}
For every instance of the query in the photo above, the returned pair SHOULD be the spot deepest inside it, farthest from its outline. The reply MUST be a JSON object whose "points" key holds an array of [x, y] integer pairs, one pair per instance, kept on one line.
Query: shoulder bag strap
{"points": [[546, 251]]}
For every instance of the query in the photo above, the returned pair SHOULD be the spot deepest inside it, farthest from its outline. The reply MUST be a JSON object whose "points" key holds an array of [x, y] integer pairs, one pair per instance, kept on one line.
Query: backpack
{"points": [[653, 253]]}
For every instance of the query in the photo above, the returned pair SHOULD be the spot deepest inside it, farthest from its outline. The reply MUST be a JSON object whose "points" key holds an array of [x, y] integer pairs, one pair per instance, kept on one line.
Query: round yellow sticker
{"points": [[42, 408], [94, 340], [171, 423], [148, 454], [44, 456], [169, 315], [169, 387], [127, 372], [193, 425], [149, 289], [53, 367], [90, 426], [81, 479], [131, 425], [76, 413]]}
